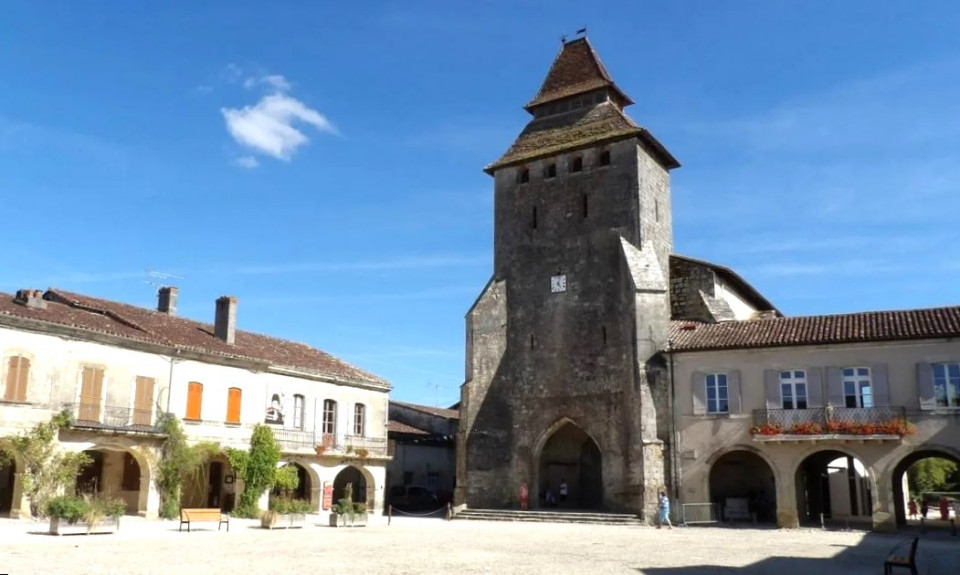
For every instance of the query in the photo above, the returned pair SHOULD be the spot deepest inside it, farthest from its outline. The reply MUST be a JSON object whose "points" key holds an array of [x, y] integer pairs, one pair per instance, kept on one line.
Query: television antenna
{"points": [[159, 279]]}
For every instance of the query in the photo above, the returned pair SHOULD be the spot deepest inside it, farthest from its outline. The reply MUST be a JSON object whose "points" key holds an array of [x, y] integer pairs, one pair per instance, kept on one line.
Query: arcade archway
{"points": [[362, 482], [570, 456], [8, 473], [742, 483], [903, 492], [834, 485], [116, 473]]}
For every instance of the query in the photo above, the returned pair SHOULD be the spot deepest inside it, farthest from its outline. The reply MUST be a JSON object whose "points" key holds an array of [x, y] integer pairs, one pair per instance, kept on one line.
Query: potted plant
{"points": [[72, 515], [347, 512], [285, 513]]}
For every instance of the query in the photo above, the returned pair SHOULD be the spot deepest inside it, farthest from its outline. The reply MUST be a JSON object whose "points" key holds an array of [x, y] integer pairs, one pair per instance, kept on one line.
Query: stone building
{"points": [[117, 368], [597, 357], [423, 449]]}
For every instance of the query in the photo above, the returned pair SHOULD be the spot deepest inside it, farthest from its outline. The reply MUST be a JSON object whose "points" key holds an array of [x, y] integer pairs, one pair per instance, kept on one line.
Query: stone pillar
{"points": [[788, 516], [148, 504], [884, 517], [653, 478], [19, 505], [316, 496]]}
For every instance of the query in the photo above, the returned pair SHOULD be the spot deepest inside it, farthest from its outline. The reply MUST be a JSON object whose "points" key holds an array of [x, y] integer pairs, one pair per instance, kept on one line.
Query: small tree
{"points": [[47, 469], [258, 467]]}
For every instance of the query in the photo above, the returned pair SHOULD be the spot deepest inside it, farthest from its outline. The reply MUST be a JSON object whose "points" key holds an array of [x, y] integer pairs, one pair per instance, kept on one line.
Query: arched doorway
{"points": [[304, 486], [571, 456], [351, 475], [114, 473], [935, 475], [835, 485], [8, 470], [743, 485], [213, 485]]}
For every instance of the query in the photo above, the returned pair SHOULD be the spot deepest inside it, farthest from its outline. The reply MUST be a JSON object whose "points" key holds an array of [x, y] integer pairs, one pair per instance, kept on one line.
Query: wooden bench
{"points": [[189, 516], [908, 562]]}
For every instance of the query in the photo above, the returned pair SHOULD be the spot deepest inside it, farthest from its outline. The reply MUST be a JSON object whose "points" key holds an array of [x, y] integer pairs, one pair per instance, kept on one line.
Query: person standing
{"points": [[524, 496], [912, 506], [664, 507], [563, 490]]}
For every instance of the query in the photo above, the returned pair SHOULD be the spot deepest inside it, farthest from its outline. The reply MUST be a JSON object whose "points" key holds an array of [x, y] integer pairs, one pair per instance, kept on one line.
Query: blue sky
{"points": [[323, 161]]}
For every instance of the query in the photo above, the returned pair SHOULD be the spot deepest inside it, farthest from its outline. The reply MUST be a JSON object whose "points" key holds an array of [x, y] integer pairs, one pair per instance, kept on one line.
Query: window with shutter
{"points": [[857, 388], [718, 399], [194, 400], [18, 371], [298, 406], [91, 394], [143, 401], [233, 405], [793, 389], [329, 427], [946, 384]]}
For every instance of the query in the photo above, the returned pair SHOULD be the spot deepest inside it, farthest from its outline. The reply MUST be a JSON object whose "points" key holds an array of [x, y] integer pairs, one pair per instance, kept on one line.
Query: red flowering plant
{"points": [[767, 429], [806, 428]]}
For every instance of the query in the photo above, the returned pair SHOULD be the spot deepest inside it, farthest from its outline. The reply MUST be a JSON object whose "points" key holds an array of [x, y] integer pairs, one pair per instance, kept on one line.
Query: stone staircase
{"points": [[548, 516]]}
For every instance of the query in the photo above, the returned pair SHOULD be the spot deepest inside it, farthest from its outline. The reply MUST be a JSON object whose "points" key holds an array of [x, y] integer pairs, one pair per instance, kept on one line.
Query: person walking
{"points": [[524, 496], [912, 506], [563, 490], [664, 511]]}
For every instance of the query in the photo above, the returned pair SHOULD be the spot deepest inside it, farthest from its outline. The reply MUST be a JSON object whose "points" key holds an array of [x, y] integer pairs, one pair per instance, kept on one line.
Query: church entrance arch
{"points": [[570, 456]]}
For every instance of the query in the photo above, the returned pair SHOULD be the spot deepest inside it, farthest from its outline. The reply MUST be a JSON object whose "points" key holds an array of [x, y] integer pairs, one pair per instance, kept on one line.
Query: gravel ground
{"points": [[434, 546]]}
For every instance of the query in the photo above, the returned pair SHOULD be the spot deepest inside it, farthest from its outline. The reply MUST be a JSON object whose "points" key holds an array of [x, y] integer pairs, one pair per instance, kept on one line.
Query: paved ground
{"points": [[436, 547]]}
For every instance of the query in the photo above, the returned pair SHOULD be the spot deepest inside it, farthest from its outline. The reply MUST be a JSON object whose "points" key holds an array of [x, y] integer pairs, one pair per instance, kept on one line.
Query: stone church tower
{"points": [[562, 378]]}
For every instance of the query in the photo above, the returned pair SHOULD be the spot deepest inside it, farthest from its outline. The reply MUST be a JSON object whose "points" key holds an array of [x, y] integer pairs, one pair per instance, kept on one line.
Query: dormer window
{"points": [[604, 159], [576, 165], [550, 171], [523, 176]]}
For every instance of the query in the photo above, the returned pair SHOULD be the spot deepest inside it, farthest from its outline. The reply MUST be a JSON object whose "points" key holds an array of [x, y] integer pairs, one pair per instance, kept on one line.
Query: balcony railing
{"points": [[113, 418], [840, 421], [301, 440]]}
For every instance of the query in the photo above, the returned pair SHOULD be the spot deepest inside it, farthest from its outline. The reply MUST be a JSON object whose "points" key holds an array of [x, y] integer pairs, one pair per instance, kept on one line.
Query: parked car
{"points": [[413, 497]]}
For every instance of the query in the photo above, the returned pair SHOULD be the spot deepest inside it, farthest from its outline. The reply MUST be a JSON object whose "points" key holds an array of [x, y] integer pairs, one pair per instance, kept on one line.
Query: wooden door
{"points": [[91, 392], [143, 401]]}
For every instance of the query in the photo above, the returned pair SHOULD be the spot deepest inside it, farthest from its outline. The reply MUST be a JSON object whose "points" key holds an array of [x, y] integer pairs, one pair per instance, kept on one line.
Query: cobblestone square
{"points": [[414, 546]]}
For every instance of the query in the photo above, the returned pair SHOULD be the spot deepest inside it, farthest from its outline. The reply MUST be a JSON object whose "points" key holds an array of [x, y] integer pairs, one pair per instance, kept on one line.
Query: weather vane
{"points": [[579, 33]]}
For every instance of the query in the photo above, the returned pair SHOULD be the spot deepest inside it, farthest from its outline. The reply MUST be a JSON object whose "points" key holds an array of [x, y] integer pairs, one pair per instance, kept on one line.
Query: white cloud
{"points": [[275, 81], [268, 126], [248, 162]]}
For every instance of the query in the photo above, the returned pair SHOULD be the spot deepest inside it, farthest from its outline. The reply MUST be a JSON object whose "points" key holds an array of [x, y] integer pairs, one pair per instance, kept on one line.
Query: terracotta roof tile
{"points": [[399, 427], [129, 322], [817, 330], [549, 135], [438, 411], [575, 70]]}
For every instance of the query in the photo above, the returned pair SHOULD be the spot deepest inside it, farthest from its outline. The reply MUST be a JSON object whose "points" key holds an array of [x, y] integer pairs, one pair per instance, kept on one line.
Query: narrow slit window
{"points": [[604, 331], [534, 220], [576, 165], [586, 207], [550, 171], [523, 176], [656, 209], [605, 158]]}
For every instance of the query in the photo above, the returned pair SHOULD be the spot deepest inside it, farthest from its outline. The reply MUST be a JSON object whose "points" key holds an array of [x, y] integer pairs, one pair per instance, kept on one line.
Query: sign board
{"points": [[327, 495]]}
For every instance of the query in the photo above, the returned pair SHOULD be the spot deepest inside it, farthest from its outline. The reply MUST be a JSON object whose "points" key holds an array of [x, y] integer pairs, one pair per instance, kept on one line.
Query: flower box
{"points": [[348, 520], [60, 526], [273, 520]]}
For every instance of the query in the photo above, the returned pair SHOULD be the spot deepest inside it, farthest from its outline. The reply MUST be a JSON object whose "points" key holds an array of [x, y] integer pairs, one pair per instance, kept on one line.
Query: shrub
{"points": [[258, 467], [179, 462], [68, 507], [287, 506]]}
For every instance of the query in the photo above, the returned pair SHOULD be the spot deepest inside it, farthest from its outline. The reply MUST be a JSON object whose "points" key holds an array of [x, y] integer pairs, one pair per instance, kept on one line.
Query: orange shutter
{"points": [[194, 400], [91, 391], [143, 401], [233, 405], [18, 369]]}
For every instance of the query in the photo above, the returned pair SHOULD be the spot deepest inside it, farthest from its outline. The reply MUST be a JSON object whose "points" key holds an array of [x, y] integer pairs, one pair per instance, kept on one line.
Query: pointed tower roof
{"points": [[576, 69], [562, 121]]}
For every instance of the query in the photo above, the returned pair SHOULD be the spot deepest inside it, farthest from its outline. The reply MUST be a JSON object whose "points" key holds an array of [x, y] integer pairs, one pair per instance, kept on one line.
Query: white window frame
{"points": [[946, 380], [333, 417], [299, 404], [719, 382], [795, 382], [860, 378], [359, 419]]}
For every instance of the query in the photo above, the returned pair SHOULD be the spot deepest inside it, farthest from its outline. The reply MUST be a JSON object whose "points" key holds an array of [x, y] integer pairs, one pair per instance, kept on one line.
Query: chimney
{"points": [[31, 298], [167, 300], [225, 325]]}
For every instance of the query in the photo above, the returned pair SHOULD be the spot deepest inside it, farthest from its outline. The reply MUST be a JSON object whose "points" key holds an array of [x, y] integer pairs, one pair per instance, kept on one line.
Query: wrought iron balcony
{"points": [[882, 422], [112, 418], [302, 440]]}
